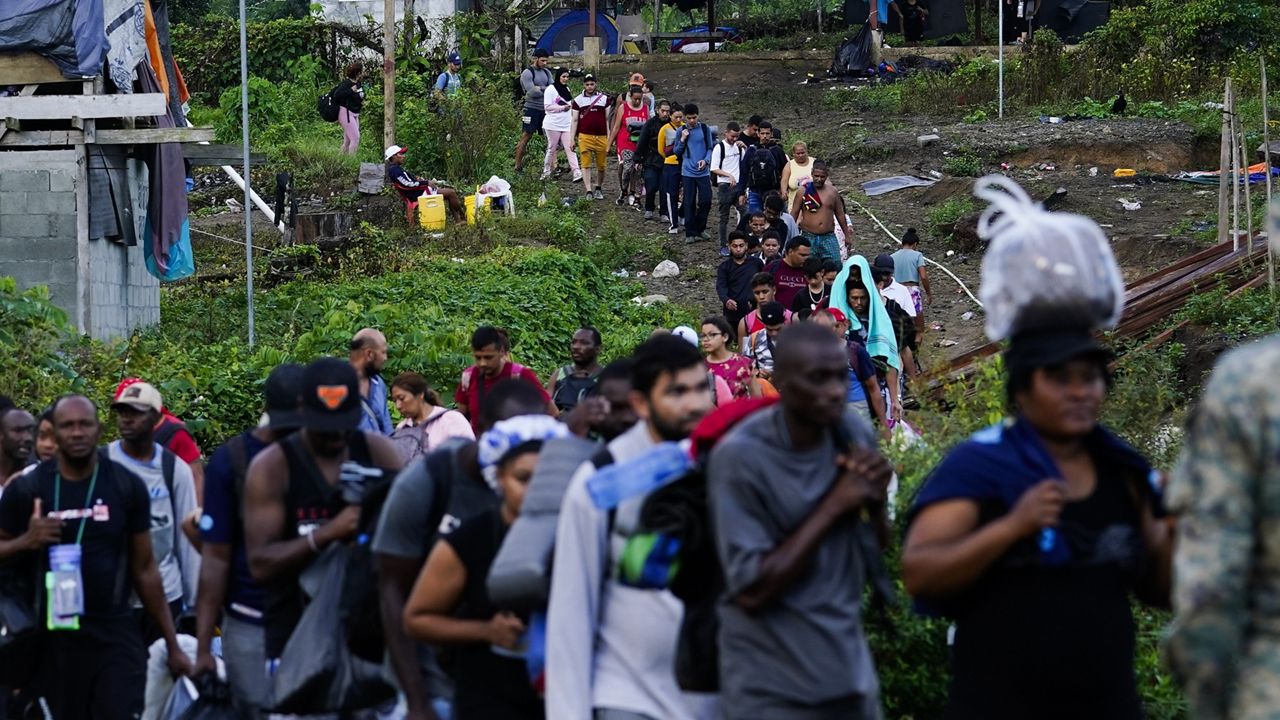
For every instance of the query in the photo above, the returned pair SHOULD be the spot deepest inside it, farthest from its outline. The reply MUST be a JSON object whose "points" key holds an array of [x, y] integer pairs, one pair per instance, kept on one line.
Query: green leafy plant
{"points": [[965, 164]]}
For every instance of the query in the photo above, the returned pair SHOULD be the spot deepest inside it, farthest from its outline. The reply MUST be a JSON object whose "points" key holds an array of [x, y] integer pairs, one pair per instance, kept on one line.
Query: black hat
{"points": [[772, 313], [1047, 346], [283, 392], [330, 396], [884, 261], [541, 53]]}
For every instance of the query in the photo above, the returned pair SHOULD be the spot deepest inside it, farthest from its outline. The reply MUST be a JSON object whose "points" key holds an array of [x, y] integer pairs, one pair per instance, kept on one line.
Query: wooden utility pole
{"points": [[1248, 199], [1224, 167], [1266, 129], [388, 73], [591, 20]]}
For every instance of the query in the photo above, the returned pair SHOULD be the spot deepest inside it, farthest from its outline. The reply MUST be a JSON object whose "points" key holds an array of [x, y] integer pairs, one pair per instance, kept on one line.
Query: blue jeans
{"points": [[652, 184], [670, 189], [697, 204], [755, 202]]}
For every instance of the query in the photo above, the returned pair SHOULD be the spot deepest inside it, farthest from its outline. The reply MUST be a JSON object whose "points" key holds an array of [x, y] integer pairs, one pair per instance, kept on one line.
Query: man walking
{"points": [[294, 503], [726, 160], [95, 515], [786, 487], [368, 355], [694, 150], [591, 118], [666, 143], [17, 441], [572, 383], [817, 211], [229, 598], [171, 489], [788, 273], [610, 647], [733, 279], [490, 348], [534, 80], [649, 159], [762, 168]]}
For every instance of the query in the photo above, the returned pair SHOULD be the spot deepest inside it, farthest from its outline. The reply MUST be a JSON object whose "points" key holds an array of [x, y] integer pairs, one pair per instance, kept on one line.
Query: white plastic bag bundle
{"points": [[495, 186], [1041, 268]]}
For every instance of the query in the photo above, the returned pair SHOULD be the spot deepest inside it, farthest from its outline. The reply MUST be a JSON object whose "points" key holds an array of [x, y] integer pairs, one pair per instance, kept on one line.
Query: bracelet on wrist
{"points": [[311, 543]]}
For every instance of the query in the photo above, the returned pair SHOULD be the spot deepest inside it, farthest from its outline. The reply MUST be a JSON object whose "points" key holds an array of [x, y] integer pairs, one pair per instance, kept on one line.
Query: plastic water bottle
{"points": [[660, 465]]}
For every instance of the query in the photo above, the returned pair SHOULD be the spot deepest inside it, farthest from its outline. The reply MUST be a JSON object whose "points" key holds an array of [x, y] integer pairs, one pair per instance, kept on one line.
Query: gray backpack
{"points": [[520, 577]]}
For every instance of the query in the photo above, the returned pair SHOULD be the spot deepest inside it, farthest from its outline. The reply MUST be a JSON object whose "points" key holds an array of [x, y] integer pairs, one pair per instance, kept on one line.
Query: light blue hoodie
{"points": [[699, 145]]}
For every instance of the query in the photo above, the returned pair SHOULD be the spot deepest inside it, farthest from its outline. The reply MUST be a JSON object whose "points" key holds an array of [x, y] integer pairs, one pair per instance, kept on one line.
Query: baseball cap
{"points": [[838, 314], [454, 58], [684, 332], [541, 53], [330, 396], [772, 313], [588, 78], [392, 151], [283, 393], [142, 396], [884, 261]]}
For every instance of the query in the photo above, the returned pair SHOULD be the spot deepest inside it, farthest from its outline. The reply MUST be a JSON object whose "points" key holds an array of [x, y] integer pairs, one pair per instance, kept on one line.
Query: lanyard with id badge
{"points": [[64, 582]]}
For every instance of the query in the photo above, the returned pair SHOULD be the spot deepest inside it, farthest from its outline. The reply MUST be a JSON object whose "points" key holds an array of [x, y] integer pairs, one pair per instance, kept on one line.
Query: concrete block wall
{"points": [[39, 246]]}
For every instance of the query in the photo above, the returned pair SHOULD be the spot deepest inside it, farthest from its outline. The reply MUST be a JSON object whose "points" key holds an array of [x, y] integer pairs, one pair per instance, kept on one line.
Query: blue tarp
{"points": [[572, 28], [71, 33]]}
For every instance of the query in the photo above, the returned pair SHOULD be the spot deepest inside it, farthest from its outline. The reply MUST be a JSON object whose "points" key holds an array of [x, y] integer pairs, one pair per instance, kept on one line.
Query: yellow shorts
{"points": [[593, 149]]}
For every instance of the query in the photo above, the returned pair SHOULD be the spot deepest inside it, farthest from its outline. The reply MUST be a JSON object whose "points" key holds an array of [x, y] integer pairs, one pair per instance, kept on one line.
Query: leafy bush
{"points": [[944, 215], [966, 164]]}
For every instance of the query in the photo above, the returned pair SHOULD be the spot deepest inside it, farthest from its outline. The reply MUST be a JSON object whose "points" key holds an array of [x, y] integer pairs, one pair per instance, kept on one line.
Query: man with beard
{"points": [[294, 504], [818, 208], [368, 356], [787, 486], [96, 514], [17, 440], [491, 347], [610, 647], [571, 384], [733, 279], [173, 496], [228, 596]]}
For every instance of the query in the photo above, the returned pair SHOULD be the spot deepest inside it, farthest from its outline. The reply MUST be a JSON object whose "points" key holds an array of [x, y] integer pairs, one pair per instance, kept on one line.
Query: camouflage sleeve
{"points": [[1212, 493]]}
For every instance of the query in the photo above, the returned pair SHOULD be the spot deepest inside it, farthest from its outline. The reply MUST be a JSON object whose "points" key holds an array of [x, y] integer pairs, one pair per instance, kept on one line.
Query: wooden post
{"points": [[388, 73], [408, 25], [711, 23], [1224, 167], [1235, 175], [657, 17], [978, 37], [1248, 199], [591, 20], [1266, 129]]}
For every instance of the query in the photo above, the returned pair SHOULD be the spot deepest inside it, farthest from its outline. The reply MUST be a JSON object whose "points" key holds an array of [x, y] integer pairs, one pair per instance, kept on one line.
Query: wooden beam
{"points": [[29, 68], [61, 107], [141, 136], [219, 155]]}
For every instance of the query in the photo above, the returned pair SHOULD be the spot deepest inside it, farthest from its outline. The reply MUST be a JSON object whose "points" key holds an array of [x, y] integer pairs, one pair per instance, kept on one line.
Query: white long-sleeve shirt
{"points": [[624, 657]]}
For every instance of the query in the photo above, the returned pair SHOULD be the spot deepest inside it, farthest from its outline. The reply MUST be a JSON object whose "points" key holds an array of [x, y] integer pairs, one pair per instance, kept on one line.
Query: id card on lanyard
{"points": [[64, 582]]}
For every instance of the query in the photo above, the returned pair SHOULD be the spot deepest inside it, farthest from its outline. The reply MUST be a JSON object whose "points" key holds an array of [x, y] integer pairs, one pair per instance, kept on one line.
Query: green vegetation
{"points": [[965, 164], [944, 215]]}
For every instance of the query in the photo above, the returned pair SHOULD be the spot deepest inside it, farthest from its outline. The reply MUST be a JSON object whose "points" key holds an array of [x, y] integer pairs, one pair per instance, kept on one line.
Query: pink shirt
{"points": [[736, 372], [448, 424]]}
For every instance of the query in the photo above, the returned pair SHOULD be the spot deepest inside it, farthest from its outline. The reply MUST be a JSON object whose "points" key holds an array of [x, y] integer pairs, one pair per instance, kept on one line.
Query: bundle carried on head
{"points": [[1043, 269]]}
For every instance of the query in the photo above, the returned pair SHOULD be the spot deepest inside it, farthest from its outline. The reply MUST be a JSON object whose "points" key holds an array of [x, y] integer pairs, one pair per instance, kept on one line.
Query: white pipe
{"points": [[1000, 35], [257, 201], [931, 262]]}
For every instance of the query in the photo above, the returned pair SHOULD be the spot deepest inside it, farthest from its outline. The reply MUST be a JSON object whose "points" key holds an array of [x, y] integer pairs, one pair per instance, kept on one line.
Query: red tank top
{"points": [[632, 122]]}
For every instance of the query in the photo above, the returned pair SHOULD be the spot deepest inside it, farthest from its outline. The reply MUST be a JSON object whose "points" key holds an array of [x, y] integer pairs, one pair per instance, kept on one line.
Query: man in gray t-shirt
{"points": [[785, 503], [534, 81]]}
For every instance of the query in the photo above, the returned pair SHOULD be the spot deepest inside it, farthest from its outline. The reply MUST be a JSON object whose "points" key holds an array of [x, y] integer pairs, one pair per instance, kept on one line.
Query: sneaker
{"points": [[691, 239], [577, 176], [599, 194], [618, 202], [673, 230], [648, 214], [631, 199], [545, 176], [588, 195], [724, 252]]}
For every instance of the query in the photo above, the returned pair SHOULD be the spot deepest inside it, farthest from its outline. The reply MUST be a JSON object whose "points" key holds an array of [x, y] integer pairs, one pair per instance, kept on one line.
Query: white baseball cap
{"points": [[393, 151], [140, 396], [684, 332]]}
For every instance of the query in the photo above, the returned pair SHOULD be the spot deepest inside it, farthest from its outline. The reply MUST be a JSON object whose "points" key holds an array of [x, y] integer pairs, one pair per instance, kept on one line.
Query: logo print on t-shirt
{"points": [[332, 395], [101, 513]]}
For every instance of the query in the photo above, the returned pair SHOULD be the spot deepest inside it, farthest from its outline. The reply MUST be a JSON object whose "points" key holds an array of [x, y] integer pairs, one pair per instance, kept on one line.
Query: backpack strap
{"points": [[167, 431], [436, 465], [168, 465], [239, 456]]}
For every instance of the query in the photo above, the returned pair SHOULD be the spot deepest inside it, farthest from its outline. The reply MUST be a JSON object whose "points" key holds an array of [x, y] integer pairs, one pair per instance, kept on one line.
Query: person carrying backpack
{"points": [[172, 492], [786, 489], [172, 434], [349, 97], [610, 646], [761, 169], [228, 598]]}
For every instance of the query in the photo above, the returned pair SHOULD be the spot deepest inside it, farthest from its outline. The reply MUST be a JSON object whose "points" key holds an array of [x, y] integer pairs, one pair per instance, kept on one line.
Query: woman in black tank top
{"points": [[450, 604]]}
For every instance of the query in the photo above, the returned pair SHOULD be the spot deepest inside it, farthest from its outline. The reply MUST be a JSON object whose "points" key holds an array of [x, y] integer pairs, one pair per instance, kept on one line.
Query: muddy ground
{"points": [[1076, 156]]}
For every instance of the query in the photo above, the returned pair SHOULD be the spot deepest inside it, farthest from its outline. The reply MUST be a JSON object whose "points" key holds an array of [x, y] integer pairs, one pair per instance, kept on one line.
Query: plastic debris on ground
{"points": [[1130, 204], [881, 186]]}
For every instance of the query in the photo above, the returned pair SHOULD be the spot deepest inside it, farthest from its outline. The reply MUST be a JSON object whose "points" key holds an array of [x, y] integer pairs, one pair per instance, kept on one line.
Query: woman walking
{"points": [[349, 97], [427, 423], [796, 172], [726, 364], [558, 124]]}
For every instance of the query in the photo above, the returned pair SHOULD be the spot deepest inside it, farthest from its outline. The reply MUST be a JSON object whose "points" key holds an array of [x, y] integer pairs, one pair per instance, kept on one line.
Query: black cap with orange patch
{"points": [[330, 396]]}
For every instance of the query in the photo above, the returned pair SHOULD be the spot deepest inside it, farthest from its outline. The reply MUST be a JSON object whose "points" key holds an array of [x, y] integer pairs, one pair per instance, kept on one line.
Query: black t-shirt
{"points": [[1055, 642], [119, 509], [805, 304], [488, 685]]}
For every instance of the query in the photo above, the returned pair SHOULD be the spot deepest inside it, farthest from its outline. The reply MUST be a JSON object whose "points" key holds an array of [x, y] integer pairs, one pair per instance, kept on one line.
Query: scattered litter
{"points": [[1004, 166], [666, 269], [234, 204], [648, 300], [936, 326], [437, 235], [935, 174], [1124, 172], [926, 140], [1201, 226], [457, 260], [1054, 120], [1106, 226], [947, 343], [950, 253], [1124, 185], [882, 186], [1202, 193], [967, 316], [1213, 106], [1093, 172], [542, 200], [622, 274], [1129, 205], [1047, 167]]}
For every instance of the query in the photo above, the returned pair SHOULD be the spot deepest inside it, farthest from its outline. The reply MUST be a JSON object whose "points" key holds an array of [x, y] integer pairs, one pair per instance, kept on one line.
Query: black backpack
{"points": [[762, 170], [327, 107]]}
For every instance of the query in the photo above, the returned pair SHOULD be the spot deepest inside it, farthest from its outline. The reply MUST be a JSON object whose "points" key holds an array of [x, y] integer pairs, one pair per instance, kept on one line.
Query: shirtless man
{"points": [[818, 216]]}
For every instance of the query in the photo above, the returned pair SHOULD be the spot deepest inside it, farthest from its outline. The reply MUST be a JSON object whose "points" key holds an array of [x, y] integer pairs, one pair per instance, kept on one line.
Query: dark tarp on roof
{"points": [[71, 33]]}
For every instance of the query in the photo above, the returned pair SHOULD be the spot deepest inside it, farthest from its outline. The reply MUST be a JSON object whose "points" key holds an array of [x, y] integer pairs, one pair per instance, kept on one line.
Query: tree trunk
{"points": [[978, 37]]}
